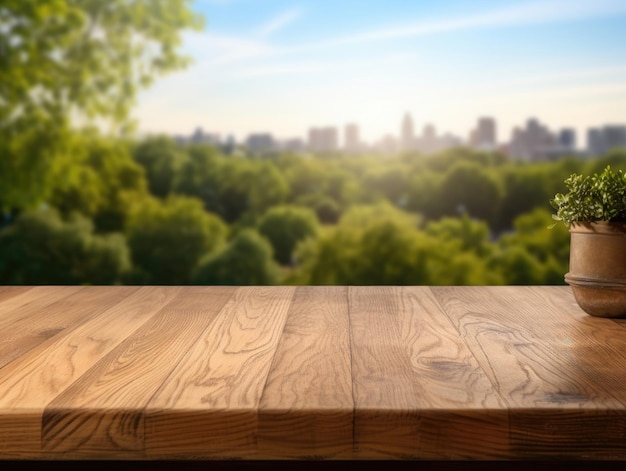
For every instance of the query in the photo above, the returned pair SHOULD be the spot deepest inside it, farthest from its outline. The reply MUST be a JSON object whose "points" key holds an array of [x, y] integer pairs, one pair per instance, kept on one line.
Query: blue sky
{"points": [[282, 66]]}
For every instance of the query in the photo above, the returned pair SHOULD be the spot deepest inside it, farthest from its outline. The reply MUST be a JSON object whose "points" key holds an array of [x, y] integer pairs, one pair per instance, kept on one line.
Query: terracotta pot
{"points": [[597, 268]]}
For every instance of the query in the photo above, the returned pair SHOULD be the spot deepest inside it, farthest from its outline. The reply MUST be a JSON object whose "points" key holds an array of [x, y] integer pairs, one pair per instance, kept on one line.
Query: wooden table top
{"points": [[434, 373]]}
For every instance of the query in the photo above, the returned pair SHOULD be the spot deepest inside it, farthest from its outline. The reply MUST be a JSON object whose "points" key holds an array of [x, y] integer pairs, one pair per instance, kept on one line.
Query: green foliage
{"points": [[599, 197], [252, 186], [518, 267], [385, 221], [524, 188], [86, 56], [380, 245], [423, 188], [469, 235], [246, 260], [467, 187], [532, 254], [615, 158], [42, 248], [64, 61], [34, 158], [161, 158], [103, 184], [325, 207], [391, 182], [168, 238], [443, 161], [285, 227], [310, 178], [199, 176]]}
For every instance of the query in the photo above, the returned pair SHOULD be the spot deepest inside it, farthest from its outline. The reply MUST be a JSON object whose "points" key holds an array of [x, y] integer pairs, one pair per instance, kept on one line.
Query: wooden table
{"points": [[336, 373]]}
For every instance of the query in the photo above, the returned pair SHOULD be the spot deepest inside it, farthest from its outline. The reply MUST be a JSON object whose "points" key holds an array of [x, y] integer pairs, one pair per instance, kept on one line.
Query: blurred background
{"points": [[249, 142]]}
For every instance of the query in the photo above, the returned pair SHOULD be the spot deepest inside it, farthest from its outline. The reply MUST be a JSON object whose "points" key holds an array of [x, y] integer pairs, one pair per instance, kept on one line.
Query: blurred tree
{"points": [[168, 238], [443, 161], [468, 234], [381, 245], [248, 186], [343, 187], [285, 227], [616, 158], [199, 175], [246, 260], [103, 184], [391, 183], [422, 191], [533, 254], [161, 158], [74, 60], [524, 188], [305, 176], [467, 187], [519, 267], [325, 207], [42, 248], [533, 231]]}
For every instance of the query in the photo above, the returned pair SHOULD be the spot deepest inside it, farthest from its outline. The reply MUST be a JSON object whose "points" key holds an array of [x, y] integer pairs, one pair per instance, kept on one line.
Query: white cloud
{"points": [[215, 48], [278, 22], [521, 14], [375, 89], [222, 49]]}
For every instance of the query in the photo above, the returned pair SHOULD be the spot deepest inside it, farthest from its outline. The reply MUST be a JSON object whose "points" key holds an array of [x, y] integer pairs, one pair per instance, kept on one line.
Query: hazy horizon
{"points": [[285, 66]]}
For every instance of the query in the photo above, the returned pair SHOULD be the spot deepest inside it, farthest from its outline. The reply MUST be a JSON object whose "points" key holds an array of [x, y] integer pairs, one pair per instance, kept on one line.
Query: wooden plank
{"points": [[8, 292], [418, 390], [30, 382], [43, 323], [208, 407], [31, 302], [547, 365], [307, 408], [101, 414]]}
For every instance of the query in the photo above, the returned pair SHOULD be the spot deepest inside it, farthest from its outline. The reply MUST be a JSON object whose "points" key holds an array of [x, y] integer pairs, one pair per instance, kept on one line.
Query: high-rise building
{"points": [[323, 139], [407, 133], [387, 145], [428, 143], [198, 136], [602, 140], [614, 137], [484, 137], [352, 140], [595, 142], [535, 142], [293, 145], [260, 142], [567, 139]]}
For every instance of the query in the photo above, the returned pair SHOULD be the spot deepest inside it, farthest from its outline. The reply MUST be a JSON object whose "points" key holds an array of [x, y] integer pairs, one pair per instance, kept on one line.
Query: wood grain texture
{"points": [[419, 392], [20, 309], [306, 408], [101, 414], [28, 383], [208, 406], [8, 292], [546, 364], [311, 372], [43, 323]]}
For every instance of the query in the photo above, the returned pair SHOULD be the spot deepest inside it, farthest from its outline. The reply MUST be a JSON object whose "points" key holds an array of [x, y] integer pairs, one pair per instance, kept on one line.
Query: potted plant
{"points": [[594, 210]]}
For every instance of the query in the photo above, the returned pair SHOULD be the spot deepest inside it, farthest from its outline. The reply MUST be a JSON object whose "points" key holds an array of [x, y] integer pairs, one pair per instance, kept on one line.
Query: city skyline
{"points": [[531, 140], [285, 66]]}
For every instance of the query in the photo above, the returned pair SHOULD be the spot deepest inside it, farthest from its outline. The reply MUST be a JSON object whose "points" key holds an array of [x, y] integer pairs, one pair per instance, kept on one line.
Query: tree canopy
{"points": [[42, 248], [246, 260], [65, 62], [285, 227], [168, 238]]}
